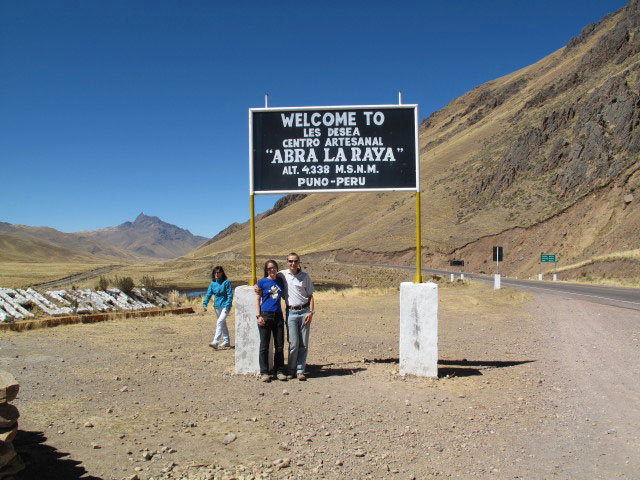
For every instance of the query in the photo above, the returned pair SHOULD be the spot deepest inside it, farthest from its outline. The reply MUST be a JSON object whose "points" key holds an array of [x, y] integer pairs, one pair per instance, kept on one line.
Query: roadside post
{"points": [[457, 263], [548, 258], [341, 149], [497, 257]]}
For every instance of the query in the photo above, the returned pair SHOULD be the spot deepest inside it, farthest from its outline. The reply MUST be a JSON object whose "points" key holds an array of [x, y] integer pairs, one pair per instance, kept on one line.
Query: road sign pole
{"points": [[418, 277], [253, 280]]}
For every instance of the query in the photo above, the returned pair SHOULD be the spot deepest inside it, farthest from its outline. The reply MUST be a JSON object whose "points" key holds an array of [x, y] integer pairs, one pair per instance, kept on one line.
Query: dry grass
{"points": [[624, 255], [24, 274]]}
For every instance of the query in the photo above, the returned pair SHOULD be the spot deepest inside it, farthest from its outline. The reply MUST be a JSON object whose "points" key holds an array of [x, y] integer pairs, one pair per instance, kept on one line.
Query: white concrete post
{"points": [[452, 277], [247, 335], [462, 276], [555, 277], [539, 276], [419, 329], [496, 281]]}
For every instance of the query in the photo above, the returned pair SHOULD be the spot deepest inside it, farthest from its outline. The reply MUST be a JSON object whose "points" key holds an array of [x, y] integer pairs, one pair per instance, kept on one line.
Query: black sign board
{"points": [[497, 254], [333, 149], [456, 263]]}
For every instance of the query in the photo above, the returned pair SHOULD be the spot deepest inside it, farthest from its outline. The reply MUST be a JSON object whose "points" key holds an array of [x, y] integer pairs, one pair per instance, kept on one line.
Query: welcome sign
{"points": [[333, 149]]}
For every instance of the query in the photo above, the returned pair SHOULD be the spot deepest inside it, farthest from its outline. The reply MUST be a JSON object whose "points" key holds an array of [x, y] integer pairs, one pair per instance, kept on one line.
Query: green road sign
{"points": [[547, 258]]}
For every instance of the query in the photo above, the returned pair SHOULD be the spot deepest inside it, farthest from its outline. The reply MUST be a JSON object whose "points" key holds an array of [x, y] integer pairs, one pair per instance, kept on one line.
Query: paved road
{"points": [[615, 296]]}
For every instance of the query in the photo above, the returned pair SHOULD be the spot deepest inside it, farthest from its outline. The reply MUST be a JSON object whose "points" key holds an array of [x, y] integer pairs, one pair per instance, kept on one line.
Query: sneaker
{"points": [[301, 377], [224, 345], [281, 376], [290, 377], [213, 345], [265, 378]]}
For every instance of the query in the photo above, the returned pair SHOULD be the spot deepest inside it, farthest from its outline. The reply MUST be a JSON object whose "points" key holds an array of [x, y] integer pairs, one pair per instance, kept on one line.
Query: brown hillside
{"points": [[22, 243], [538, 160]]}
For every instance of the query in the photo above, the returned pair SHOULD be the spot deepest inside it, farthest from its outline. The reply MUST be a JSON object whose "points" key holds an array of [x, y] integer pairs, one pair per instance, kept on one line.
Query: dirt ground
{"points": [[530, 387]]}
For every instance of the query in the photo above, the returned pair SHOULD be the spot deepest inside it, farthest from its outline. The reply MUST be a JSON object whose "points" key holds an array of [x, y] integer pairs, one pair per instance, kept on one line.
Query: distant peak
{"points": [[140, 217]]}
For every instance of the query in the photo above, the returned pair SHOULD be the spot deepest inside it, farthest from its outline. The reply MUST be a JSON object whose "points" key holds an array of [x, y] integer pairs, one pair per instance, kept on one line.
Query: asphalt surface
{"points": [[614, 296]]}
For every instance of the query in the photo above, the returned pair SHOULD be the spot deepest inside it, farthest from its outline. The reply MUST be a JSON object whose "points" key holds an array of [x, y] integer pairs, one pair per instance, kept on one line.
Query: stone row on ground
{"points": [[19, 304], [10, 462]]}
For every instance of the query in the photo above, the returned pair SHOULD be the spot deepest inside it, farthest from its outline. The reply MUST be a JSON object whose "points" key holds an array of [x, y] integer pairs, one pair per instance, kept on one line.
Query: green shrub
{"points": [[103, 283], [124, 283], [148, 281]]}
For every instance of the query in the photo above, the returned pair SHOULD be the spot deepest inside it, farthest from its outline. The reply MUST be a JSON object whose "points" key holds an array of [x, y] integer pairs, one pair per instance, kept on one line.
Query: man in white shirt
{"points": [[298, 295]]}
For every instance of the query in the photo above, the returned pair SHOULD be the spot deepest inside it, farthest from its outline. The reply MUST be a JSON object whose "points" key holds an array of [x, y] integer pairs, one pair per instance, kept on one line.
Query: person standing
{"points": [[220, 287], [300, 309], [271, 321]]}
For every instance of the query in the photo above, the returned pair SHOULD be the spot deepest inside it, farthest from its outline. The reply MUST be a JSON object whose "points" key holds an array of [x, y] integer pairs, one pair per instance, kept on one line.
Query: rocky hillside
{"points": [[545, 159], [148, 237]]}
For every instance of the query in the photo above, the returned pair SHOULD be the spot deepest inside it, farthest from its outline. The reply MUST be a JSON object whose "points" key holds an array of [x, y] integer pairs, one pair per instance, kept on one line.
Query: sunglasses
{"points": [[293, 261], [272, 268]]}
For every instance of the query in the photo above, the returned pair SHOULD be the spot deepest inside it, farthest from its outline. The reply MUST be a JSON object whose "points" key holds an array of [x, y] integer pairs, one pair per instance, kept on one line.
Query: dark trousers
{"points": [[274, 325]]}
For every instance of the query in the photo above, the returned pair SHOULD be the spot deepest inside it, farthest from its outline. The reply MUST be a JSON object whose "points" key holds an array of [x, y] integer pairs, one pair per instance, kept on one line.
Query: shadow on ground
{"points": [[328, 370], [43, 461], [464, 367], [460, 368]]}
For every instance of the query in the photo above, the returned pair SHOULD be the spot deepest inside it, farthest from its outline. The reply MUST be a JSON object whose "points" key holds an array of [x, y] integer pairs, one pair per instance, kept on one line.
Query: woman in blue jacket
{"points": [[220, 287]]}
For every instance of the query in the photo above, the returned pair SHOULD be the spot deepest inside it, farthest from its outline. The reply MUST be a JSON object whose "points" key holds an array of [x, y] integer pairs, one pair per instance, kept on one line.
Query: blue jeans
{"points": [[221, 327], [298, 340]]}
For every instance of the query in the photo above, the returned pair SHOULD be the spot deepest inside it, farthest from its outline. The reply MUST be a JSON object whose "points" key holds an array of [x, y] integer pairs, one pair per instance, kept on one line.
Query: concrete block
{"points": [[496, 281], [462, 276], [555, 277], [419, 329], [452, 277], [8, 387], [539, 276], [247, 334]]}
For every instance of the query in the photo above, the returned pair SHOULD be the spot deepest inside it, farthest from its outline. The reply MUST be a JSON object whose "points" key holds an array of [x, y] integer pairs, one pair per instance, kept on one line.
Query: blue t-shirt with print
{"points": [[271, 294]]}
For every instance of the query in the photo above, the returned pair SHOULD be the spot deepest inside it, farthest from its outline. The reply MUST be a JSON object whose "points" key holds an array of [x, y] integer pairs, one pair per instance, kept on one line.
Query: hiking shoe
{"points": [[281, 376], [265, 378], [224, 345], [301, 377], [213, 345]]}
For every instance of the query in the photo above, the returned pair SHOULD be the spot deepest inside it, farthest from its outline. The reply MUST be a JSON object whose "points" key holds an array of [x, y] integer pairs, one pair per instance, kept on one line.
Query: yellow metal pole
{"points": [[418, 278], [253, 280]]}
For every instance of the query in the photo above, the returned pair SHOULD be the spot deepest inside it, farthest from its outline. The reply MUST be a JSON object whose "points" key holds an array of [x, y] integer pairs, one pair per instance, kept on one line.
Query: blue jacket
{"points": [[223, 294]]}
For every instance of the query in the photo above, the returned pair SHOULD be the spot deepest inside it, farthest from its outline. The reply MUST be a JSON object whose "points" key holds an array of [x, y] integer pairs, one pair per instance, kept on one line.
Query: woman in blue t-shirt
{"points": [[270, 321]]}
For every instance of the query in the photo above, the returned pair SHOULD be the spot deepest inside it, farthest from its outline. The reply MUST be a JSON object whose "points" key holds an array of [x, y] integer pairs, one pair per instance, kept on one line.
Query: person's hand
{"points": [[257, 289], [308, 318], [261, 321]]}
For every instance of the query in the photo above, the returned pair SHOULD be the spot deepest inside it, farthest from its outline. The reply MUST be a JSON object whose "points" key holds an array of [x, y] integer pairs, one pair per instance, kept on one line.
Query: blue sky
{"points": [[110, 108]]}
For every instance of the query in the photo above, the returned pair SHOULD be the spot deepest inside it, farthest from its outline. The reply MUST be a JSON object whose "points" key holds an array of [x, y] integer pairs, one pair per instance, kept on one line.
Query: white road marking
{"points": [[574, 293]]}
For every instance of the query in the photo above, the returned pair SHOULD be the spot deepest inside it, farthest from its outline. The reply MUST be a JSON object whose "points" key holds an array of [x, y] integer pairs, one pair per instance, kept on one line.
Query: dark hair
{"points": [[266, 273], [298, 257], [218, 269]]}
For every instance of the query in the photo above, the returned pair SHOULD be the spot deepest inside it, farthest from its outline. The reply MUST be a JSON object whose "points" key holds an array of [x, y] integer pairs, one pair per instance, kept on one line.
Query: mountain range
{"points": [[543, 160], [146, 238]]}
